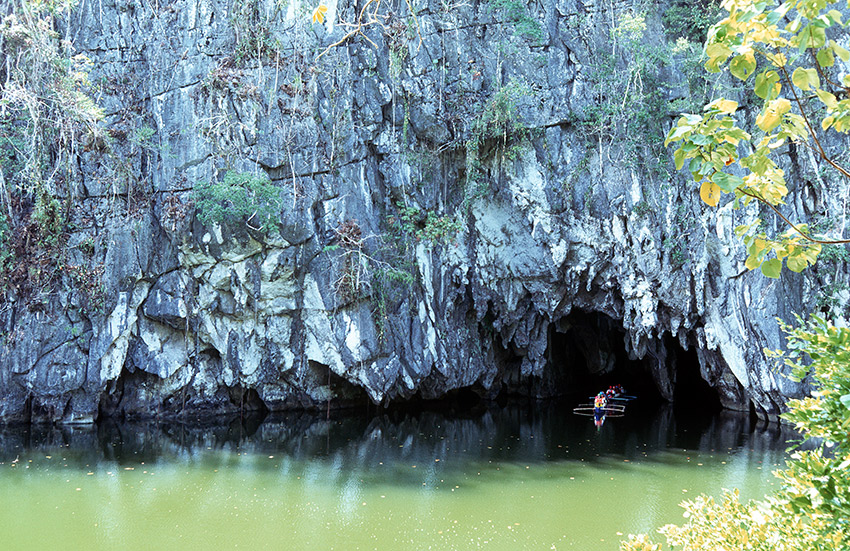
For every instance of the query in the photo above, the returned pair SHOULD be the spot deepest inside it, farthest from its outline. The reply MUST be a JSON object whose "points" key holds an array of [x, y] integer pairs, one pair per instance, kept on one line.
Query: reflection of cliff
{"points": [[504, 435], [501, 245]]}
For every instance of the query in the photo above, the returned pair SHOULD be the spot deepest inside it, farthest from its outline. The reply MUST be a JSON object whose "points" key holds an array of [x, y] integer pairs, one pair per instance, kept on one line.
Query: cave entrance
{"points": [[588, 352], [691, 392]]}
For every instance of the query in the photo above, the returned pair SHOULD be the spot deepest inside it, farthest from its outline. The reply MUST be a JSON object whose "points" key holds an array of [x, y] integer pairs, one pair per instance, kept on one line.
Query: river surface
{"points": [[501, 479]]}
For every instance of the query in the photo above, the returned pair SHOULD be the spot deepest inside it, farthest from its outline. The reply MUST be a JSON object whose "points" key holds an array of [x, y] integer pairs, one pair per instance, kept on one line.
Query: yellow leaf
{"points": [[319, 13], [827, 122], [709, 192], [752, 262], [769, 119], [724, 105], [779, 60]]}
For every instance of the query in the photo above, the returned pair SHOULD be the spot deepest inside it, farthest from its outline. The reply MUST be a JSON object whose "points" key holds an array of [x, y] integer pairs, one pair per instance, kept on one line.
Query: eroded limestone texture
{"points": [[568, 257]]}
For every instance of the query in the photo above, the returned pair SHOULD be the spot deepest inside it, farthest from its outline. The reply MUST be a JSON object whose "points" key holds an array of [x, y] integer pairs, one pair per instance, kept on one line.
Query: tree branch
{"points": [[791, 224], [811, 130]]}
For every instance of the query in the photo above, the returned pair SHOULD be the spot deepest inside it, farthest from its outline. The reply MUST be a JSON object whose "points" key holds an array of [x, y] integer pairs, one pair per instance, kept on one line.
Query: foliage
{"points": [[818, 481], [371, 14], [388, 285], [629, 94], [239, 196], [690, 19], [642, 208], [397, 33], [47, 119], [7, 254], [381, 274], [516, 12], [678, 252], [428, 226], [785, 55], [89, 281], [254, 38], [45, 114], [48, 215], [498, 122], [143, 137], [812, 510], [352, 269]]}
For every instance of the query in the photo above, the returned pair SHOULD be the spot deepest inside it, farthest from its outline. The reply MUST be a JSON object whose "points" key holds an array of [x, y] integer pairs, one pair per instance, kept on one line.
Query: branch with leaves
{"points": [[790, 41]]}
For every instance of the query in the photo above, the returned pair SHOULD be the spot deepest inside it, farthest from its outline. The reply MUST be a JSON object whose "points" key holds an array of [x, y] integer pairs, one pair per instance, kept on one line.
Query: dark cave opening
{"points": [[691, 391], [587, 353], [456, 402]]}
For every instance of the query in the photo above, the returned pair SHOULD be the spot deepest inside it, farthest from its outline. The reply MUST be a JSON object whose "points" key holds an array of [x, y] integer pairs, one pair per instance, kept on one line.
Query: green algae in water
{"points": [[508, 479]]}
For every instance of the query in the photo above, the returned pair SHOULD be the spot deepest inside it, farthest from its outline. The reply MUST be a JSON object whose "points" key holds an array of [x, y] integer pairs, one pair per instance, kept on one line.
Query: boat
{"points": [[615, 406], [612, 410]]}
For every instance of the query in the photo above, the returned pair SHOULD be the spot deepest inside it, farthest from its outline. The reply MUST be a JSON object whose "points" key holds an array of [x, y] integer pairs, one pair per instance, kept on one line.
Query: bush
{"points": [[239, 196], [812, 510]]}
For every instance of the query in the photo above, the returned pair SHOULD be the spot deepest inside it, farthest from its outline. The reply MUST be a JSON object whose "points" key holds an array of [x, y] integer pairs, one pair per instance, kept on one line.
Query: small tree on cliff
{"points": [[790, 55]]}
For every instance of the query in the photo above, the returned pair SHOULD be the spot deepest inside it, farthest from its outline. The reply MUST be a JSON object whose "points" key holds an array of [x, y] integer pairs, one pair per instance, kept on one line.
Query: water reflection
{"points": [[509, 434]]}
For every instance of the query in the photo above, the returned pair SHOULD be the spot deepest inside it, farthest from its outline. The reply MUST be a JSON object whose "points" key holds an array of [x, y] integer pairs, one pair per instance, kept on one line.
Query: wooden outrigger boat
{"points": [[610, 410], [614, 401]]}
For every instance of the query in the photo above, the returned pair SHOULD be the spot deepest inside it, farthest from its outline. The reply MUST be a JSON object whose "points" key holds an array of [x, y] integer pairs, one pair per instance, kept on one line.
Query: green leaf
{"points": [[766, 85], [827, 98], [727, 182], [717, 54], [679, 158], [702, 139], [825, 57], [695, 165], [846, 400], [811, 37], [742, 66], [676, 133], [771, 268], [839, 51], [778, 14], [796, 263], [805, 78], [742, 229], [752, 262]]}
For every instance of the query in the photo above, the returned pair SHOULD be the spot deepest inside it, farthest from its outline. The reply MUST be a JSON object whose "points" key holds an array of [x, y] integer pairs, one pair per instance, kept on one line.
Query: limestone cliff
{"points": [[456, 210]]}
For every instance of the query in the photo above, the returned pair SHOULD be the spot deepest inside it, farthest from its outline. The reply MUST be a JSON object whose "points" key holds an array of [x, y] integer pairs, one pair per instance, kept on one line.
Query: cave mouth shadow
{"points": [[588, 352]]}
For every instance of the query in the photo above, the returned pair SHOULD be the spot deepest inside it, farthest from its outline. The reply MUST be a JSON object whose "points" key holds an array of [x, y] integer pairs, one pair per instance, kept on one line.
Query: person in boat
{"points": [[599, 404]]}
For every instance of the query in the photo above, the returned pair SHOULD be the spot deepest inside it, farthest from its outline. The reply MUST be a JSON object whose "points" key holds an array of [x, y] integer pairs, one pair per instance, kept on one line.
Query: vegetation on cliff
{"points": [[47, 120]]}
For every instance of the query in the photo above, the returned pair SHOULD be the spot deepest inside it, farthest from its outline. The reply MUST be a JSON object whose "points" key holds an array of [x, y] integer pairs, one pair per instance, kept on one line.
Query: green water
{"points": [[508, 479]]}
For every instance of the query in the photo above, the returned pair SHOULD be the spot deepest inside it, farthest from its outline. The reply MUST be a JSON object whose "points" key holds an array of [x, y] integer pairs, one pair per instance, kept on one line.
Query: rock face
{"points": [[449, 218]]}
